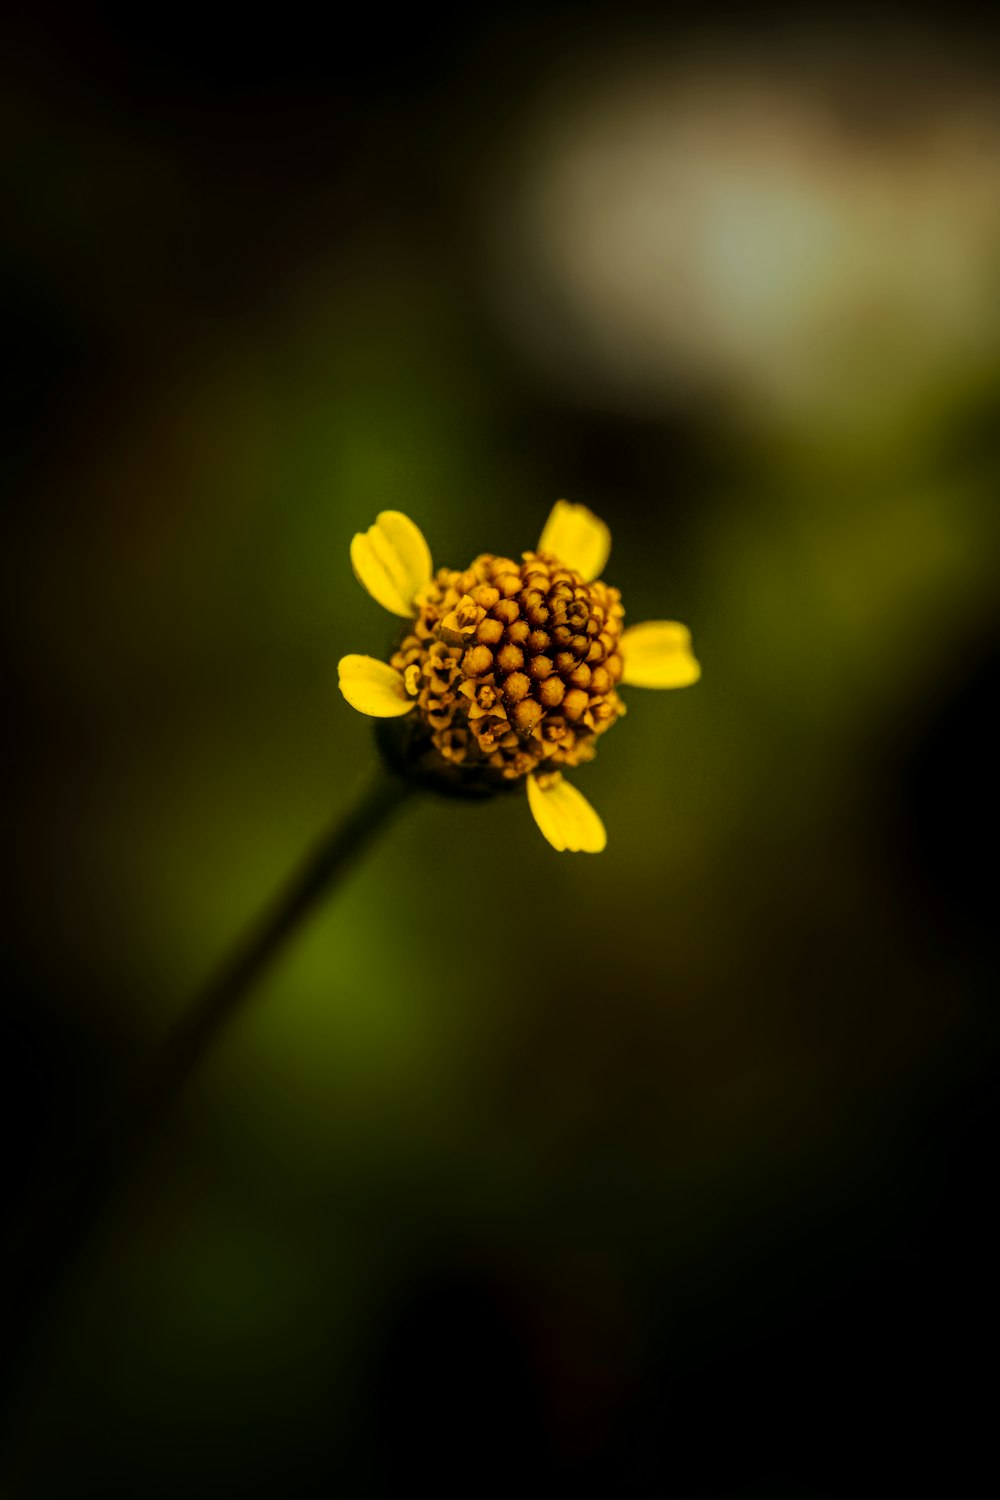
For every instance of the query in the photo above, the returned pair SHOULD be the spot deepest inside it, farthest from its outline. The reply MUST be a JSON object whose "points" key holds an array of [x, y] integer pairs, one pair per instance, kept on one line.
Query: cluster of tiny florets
{"points": [[513, 666]]}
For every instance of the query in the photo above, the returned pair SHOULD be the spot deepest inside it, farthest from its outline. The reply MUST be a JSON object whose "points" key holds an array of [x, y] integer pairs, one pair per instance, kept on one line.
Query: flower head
{"points": [[508, 672]]}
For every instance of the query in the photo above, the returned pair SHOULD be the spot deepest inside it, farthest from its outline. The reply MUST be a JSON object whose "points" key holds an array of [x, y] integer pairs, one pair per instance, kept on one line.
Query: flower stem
{"points": [[61, 1220]]}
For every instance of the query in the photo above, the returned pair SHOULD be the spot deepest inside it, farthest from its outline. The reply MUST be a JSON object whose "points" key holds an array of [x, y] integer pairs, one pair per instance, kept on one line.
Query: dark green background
{"points": [[661, 1172]]}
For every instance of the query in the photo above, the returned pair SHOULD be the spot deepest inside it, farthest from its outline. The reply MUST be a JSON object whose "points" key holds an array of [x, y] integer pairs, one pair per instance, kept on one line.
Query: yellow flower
{"points": [[508, 671]]}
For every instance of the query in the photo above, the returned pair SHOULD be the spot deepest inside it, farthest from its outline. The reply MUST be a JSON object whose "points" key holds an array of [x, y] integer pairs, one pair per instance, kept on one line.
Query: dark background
{"points": [[668, 1172]]}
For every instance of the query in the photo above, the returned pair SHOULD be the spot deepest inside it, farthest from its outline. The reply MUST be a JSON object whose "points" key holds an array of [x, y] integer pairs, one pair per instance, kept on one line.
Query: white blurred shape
{"points": [[719, 229]]}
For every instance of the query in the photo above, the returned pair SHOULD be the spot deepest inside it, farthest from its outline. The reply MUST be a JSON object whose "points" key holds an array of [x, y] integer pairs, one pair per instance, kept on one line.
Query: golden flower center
{"points": [[514, 666]]}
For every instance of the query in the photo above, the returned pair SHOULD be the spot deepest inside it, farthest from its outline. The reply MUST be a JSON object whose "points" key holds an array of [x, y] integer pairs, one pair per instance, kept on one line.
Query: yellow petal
{"points": [[564, 815], [578, 538], [657, 654], [392, 561], [373, 687]]}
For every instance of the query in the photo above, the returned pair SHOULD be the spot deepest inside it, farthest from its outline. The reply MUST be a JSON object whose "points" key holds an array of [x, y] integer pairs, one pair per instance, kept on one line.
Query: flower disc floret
{"points": [[514, 665]]}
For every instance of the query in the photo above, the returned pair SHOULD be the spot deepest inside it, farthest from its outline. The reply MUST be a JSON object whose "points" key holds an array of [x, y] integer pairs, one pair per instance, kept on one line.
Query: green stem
{"points": [[61, 1221]]}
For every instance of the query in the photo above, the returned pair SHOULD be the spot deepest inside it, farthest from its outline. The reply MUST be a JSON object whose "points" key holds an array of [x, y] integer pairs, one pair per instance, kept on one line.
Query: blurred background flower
{"points": [[807, 232], [665, 1178]]}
